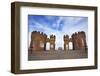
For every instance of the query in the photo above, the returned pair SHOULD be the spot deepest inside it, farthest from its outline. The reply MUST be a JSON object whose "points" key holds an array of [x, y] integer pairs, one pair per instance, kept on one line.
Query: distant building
{"points": [[60, 48]]}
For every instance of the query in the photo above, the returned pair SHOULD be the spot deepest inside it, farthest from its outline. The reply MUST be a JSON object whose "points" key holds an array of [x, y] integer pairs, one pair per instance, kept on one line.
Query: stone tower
{"points": [[82, 40], [66, 42], [38, 41], [79, 41], [52, 42], [74, 41]]}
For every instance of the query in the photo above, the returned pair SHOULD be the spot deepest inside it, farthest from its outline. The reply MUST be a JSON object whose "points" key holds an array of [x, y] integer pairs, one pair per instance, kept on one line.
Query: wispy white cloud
{"points": [[57, 22]]}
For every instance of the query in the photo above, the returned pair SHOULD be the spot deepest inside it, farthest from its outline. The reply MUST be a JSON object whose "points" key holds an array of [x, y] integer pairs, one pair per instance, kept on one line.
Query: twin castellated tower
{"points": [[39, 41], [78, 41]]}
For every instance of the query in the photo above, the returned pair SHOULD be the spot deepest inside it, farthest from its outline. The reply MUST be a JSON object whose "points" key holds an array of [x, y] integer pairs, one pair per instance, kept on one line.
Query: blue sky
{"points": [[57, 25]]}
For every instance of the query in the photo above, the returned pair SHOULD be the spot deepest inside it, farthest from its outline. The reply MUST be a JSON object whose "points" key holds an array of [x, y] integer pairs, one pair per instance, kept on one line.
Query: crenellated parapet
{"points": [[42, 35]]}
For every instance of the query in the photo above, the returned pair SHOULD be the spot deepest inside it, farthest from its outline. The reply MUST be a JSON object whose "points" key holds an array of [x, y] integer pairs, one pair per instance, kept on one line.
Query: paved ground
{"points": [[52, 55]]}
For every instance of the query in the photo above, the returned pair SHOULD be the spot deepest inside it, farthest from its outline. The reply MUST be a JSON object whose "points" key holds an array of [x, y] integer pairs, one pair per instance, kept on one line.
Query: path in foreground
{"points": [[52, 55]]}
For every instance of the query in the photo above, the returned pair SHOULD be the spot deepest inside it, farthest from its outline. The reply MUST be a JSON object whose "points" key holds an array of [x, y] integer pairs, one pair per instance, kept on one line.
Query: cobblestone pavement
{"points": [[57, 54]]}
